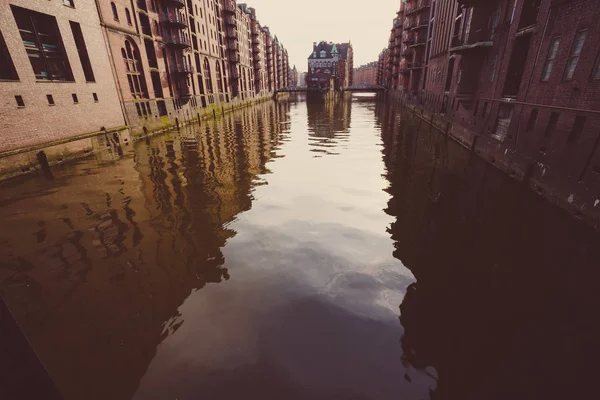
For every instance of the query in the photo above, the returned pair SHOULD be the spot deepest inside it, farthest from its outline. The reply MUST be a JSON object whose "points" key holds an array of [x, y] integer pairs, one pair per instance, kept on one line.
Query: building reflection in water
{"points": [[328, 125], [102, 279], [506, 299]]}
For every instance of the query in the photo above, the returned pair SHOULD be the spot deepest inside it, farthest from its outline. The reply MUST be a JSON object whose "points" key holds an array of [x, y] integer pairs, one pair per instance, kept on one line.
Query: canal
{"points": [[299, 250]]}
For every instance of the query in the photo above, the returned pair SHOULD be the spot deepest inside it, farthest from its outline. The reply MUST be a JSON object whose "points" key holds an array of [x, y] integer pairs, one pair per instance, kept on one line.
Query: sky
{"points": [[298, 24]]}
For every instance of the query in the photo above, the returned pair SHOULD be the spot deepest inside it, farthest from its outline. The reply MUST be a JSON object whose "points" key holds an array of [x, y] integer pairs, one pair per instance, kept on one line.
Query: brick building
{"points": [[54, 64], [113, 65], [366, 74], [522, 78], [330, 65]]}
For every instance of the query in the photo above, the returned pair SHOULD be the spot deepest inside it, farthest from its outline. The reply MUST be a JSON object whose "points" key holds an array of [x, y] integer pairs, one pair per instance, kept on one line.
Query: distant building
{"points": [[293, 78], [330, 66], [302, 79], [366, 74]]}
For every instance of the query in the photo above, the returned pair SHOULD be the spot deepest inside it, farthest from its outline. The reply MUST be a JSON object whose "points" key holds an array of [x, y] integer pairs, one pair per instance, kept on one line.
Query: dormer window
{"points": [[323, 53]]}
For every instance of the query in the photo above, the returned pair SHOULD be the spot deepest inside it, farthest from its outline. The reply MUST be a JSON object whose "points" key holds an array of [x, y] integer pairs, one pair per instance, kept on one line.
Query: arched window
{"points": [[128, 16], [114, 11], [207, 76], [219, 81], [133, 66], [225, 78]]}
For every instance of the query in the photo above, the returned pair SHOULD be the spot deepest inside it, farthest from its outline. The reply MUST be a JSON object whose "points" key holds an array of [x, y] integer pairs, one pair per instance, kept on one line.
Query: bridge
{"points": [[360, 88]]}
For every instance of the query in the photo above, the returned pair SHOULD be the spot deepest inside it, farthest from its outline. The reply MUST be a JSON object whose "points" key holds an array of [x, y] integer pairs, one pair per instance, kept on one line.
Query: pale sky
{"points": [[298, 24]]}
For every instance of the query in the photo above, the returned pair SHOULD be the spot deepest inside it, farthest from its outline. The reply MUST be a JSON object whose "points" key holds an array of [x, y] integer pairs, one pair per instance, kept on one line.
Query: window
{"points": [[219, 81], [69, 3], [95, 97], [75, 99], [476, 108], [128, 16], [323, 53], [20, 102], [43, 44], [7, 68], [493, 68], [50, 99], [207, 76], [551, 124], [484, 109], [531, 121], [550, 59], [576, 130], [574, 56], [82, 51], [596, 71], [114, 11], [133, 66]]}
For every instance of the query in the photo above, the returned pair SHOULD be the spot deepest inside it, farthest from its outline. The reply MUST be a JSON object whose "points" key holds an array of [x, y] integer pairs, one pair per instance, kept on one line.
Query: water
{"points": [[295, 251]]}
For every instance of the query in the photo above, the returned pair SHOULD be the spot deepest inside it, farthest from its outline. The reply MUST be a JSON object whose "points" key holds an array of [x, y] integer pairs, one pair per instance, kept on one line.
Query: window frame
{"points": [[115, 12], [574, 57], [44, 45], [550, 59], [596, 68]]}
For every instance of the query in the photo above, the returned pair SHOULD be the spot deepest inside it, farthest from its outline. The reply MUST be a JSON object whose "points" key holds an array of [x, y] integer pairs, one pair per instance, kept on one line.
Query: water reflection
{"points": [[328, 126], [227, 261], [96, 263], [505, 303]]}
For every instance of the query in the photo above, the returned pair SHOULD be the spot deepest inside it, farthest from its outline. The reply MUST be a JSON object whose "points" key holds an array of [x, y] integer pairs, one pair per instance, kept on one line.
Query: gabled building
{"points": [[330, 65]]}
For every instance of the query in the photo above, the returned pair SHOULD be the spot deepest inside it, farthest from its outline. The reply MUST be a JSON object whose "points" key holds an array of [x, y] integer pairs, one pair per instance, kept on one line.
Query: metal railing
{"points": [[472, 38], [174, 19], [177, 40]]}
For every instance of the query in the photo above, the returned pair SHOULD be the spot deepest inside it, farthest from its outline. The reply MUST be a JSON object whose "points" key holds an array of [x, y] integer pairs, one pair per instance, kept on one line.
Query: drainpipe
{"points": [[537, 57], [112, 65]]}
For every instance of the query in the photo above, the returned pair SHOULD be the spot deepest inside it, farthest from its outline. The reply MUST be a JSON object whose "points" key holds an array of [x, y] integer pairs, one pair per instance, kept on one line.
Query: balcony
{"points": [[177, 41], [230, 20], [419, 25], [257, 58], [421, 5], [416, 42], [406, 53], [255, 40], [473, 41], [231, 33], [415, 65], [176, 3], [234, 56], [229, 6], [233, 45], [181, 69], [175, 19], [255, 50]]}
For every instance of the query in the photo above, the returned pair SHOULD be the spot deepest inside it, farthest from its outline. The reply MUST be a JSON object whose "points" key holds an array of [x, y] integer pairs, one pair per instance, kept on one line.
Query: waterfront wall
{"points": [[580, 198]]}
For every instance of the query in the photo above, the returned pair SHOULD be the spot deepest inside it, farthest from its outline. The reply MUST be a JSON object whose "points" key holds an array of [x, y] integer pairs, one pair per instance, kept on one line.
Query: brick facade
{"points": [[38, 122], [154, 64], [524, 79]]}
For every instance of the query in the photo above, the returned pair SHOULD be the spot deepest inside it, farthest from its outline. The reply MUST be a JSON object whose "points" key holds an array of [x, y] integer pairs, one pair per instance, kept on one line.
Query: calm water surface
{"points": [[299, 251]]}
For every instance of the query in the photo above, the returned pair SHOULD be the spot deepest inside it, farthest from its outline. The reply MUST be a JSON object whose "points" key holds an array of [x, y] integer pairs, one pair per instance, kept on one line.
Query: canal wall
{"points": [[581, 199], [39, 157]]}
